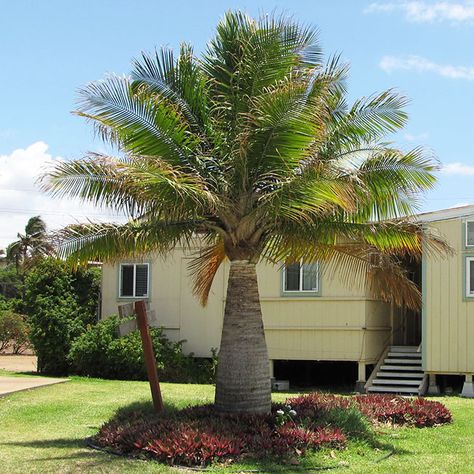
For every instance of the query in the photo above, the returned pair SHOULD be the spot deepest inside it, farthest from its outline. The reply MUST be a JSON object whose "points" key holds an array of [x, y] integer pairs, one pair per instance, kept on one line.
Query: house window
{"points": [[133, 280], [301, 277], [470, 234], [470, 277]]}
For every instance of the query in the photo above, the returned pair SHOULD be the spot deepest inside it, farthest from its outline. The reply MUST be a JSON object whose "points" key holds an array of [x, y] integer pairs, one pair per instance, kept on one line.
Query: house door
{"points": [[406, 323]]}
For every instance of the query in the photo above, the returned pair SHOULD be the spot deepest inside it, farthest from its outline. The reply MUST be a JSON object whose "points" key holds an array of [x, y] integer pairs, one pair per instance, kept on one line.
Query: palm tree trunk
{"points": [[243, 372]]}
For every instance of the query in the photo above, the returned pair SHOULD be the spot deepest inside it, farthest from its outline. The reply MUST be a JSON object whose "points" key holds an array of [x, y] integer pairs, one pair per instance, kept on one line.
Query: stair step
{"points": [[393, 389], [413, 382], [412, 368], [415, 375], [404, 349], [408, 355], [389, 360]]}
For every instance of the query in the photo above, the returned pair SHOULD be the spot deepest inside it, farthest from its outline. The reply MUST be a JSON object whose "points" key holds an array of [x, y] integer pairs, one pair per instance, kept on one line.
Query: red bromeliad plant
{"points": [[381, 408], [199, 435], [418, 412]]}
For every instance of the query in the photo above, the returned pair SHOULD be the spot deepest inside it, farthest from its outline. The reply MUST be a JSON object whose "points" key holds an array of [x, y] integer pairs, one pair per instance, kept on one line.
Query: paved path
{"points": [[22, 363], [16, 384], [18, 363]]}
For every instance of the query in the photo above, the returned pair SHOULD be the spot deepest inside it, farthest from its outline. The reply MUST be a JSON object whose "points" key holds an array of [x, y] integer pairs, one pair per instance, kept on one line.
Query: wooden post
{"points": [[150, 361]]}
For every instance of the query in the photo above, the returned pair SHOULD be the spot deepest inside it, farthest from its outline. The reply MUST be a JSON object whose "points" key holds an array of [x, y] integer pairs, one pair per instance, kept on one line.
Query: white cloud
{"points": [[420, 64], [420, 137], [20, 197], [458, 168], [427, 12]]}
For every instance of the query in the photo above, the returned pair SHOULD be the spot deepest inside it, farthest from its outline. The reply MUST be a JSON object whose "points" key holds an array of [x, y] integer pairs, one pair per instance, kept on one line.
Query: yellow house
{"points": [[310, 314], [448, 299]]}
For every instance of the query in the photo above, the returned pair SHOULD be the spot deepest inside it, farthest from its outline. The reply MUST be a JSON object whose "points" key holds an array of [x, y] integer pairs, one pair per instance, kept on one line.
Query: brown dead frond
{"points": [[203, 269]]}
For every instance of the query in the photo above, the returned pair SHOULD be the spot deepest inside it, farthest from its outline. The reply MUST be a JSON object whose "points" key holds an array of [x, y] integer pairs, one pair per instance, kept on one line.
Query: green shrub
{"points": [[99, 352], [14, 332], [5, 304], [88, 354], [59, 308], [10, 282]]}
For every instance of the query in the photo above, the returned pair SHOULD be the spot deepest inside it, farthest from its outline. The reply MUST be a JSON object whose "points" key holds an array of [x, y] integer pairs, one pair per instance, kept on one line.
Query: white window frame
{"points": [[312, 291], [134, 264], [467, 263], [466, 243]]}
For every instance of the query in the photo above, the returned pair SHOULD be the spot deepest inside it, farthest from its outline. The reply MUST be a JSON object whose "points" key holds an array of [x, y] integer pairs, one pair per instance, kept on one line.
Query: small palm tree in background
{"points": [[31, 246], [252, 150]]}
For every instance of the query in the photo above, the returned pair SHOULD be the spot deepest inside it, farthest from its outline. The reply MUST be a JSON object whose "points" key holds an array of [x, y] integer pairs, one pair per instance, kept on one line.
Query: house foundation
{"points": [[433, 387]]}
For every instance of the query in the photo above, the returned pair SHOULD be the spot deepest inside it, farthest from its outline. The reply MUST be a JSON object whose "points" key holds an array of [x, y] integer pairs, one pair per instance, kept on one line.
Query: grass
{"points": [[44, 430]]}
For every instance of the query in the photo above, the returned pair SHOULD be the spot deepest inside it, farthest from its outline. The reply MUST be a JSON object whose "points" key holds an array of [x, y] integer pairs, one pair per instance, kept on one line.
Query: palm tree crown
{"points": [[253, 148], [31, 245]]}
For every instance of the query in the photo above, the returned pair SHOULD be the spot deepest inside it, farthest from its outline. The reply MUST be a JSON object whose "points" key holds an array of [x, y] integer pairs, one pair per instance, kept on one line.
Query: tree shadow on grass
{"points": [[30, 373], [55, 443], [82, 453]]}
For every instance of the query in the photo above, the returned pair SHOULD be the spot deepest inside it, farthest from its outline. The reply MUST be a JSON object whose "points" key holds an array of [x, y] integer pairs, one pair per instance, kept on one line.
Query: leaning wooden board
{"points": [[140, 310]]}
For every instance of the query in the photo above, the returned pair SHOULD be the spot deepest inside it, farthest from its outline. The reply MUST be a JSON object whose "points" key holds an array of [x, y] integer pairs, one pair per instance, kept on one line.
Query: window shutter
{"points": [[470, 233], [141, 280]]}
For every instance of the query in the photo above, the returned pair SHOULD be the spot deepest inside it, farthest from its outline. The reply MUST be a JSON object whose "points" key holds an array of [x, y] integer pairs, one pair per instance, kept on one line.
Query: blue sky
{"points": [[49, 49]]}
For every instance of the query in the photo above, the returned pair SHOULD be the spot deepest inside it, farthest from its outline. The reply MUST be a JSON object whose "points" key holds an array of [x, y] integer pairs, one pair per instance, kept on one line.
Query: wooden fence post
{"points": [[150, 361]]}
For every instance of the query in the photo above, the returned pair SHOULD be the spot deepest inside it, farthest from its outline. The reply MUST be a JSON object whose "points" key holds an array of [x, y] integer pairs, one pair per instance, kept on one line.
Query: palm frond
{"points": [[307, 201], [285, 124], [140, 126], [393, 182], [132, 184], [13, 251], [247, 55], [80, 243], [204, 267], [180, 81], [372, 117], [403, 238]]}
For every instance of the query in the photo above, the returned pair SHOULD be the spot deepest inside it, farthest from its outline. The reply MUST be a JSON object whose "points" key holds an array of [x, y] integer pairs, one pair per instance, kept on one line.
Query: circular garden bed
{"points": [[199, 436]]}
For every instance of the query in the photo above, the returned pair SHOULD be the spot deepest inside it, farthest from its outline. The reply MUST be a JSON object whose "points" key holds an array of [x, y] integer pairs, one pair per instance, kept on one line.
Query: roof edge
{"points": [[445, 214]]}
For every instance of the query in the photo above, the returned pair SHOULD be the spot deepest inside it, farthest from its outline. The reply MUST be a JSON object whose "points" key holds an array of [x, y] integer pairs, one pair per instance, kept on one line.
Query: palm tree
{"points": [[252, 150], [31, 245]]}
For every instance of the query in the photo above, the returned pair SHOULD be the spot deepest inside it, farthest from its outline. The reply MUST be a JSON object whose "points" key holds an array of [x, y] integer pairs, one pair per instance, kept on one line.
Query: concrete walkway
{"points": [[22, 363], [16, 384]]}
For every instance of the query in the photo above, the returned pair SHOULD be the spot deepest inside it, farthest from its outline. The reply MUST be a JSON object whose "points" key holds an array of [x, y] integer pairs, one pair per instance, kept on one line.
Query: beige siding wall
{"points": [[340, 324], [378, 332], [448, 317]]}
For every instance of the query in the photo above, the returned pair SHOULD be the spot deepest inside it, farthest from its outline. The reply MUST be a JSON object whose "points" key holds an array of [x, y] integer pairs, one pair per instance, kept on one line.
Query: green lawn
{"points": [[43, 431]]}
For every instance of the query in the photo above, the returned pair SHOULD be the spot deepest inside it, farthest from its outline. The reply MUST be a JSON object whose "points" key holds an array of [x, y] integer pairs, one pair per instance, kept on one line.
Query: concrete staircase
{"points": [[398, 371]]}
